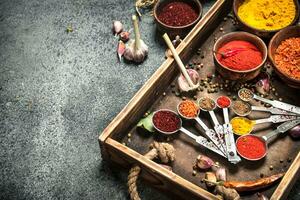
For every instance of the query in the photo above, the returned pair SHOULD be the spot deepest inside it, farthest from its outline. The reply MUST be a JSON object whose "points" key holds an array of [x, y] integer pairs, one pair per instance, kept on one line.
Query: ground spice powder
{"points": [[177, 14], [251, 147], [239, 55], [223, 101], [188, 109], [287, 57], [267, 14], [166, 121], [241, 125]]}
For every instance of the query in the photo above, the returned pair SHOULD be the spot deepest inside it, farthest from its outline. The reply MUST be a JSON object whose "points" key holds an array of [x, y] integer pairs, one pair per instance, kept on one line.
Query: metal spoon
{"points": [[272, 110], [199, 139], [272, 119], [265, 139], [217, 126], [274, 103], [210, 133], [228, 135]]}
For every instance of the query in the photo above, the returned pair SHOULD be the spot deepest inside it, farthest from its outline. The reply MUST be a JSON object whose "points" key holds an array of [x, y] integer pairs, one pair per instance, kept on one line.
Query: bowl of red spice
{"points": [[177, 17], [284, 53], [239, 56]]}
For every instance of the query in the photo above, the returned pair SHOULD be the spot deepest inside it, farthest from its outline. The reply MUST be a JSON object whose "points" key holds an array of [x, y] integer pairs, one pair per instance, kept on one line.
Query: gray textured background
{"points": [[58, 91]]}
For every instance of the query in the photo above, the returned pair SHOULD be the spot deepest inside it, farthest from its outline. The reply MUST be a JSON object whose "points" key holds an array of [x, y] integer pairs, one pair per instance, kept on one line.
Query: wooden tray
{"points": [[180, 182]]}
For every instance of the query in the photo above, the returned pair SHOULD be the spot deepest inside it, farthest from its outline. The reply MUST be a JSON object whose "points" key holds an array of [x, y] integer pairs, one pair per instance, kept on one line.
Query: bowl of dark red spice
{"points": [[284, 53], [239, 56], [177, 17]]}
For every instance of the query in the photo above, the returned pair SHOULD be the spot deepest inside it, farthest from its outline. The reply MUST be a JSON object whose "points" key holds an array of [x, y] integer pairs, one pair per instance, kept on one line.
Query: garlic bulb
{"points": [[137, 50], [117, 27]]}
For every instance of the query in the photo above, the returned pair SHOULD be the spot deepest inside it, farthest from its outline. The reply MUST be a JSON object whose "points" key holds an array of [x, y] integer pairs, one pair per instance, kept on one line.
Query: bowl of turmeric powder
{"points": [[284, 52], [265, 17]]}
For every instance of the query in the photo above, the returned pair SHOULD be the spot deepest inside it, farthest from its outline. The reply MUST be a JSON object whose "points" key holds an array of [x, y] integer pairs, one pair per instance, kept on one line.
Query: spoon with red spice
{"points": [[224, 102], [168, 122], [247, 95], [189, 110], [207, 104], [252, 147]]}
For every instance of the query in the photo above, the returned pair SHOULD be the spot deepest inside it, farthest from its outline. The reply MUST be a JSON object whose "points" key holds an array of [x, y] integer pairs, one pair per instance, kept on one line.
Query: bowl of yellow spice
{"points": [[265, 17]]}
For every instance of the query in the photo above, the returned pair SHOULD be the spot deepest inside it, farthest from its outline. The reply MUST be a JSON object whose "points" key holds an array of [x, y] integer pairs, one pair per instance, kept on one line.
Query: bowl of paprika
{"points": [[265, 17], [239, 56], [177, 17], [283, 52]]}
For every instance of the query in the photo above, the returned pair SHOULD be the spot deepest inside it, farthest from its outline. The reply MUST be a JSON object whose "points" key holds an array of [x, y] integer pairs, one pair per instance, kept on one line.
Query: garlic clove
{"points": [[117, 27], [183, 84], [221, 174], [204, 162], [124, 36], [263, 84]]}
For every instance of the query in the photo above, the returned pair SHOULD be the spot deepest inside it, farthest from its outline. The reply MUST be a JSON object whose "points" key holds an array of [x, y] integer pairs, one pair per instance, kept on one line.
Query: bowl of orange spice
{"points": [[284, 53]]}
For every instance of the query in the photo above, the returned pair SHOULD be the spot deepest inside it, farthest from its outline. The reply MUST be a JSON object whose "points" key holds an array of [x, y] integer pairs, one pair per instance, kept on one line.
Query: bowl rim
{"points": [[265, 51], [286, 76], [262, 30], [178, 27]]}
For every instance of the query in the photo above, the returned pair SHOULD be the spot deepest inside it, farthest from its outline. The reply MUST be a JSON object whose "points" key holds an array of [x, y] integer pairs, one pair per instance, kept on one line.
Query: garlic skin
{"points": [[182, 82], [137, 50], [117, 27]]}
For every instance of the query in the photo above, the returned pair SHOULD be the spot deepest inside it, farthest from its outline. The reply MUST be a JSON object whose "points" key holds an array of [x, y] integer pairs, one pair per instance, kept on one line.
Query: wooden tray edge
{"points": [[154, 167]]}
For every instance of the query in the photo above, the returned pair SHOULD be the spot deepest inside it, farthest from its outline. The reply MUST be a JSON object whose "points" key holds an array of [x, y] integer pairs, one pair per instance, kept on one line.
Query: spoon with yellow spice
{"points": [[244, 126]]}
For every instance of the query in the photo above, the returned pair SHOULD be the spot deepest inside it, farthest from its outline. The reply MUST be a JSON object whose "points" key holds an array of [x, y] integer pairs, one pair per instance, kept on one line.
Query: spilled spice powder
{"points": [[287, 57], [177, 13], [251, 147]]}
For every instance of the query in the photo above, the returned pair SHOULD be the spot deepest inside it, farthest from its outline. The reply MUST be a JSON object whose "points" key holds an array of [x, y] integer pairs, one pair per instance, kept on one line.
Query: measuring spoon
{"points": [[199, 139], [272, 119], [217, 126], [277, 104], [264, 139], [210, 133], [228, 133]]}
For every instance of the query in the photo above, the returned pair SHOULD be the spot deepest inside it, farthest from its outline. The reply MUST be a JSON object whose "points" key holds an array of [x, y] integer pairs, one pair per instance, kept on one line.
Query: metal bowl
{"points": [[173, 31], [292, 31], [261, 33], [238, 75]]}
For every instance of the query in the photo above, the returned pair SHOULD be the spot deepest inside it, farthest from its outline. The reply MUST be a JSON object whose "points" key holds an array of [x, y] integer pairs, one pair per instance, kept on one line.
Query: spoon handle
{"points": [[281, 129], [226, 116], [201, 123], [202, 141], [272, 110], [178, 60], [279, 104], [262, 99], [277, 119], [211, 134], [213, 117]]}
